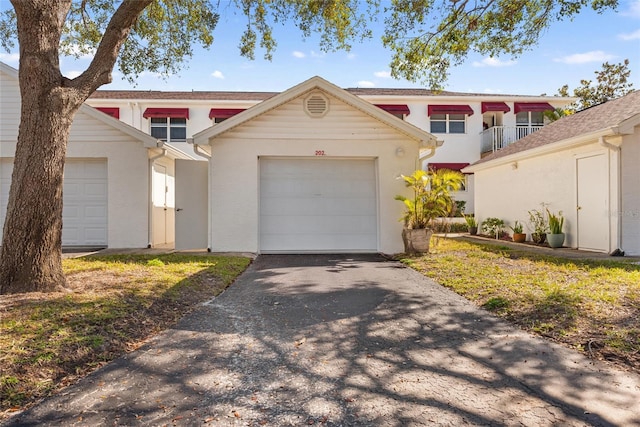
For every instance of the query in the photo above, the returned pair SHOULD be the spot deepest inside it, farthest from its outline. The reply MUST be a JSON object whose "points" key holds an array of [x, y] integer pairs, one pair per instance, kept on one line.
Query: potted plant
{"points": [[492, 227], [431, 199], [538, 225], [518, 235], [555, 237], [472, 225]]}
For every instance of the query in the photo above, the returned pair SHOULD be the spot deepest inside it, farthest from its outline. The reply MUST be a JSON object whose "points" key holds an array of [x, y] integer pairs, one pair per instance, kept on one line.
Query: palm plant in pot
{"points": [[555, 237], [539, 226], [472, 224], [431, 199]]}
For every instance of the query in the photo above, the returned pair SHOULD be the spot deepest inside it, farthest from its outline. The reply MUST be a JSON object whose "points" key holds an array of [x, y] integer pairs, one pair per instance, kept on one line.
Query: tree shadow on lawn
{"points": [[297, 343]]}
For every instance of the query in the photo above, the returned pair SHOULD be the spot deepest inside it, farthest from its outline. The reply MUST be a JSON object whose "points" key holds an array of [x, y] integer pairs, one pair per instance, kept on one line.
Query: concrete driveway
{"points": [[350, 341]]}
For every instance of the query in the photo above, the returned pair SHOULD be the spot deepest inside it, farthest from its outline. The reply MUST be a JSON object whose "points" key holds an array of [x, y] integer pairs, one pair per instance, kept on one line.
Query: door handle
{"points": [[578, 208], [178, 210]]}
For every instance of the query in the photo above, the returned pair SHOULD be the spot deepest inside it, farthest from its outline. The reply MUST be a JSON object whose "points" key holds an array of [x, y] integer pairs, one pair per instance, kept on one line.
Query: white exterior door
{"points": [[84, 215], [159, 203], [318, 205], [593, 203], [192, 189]]}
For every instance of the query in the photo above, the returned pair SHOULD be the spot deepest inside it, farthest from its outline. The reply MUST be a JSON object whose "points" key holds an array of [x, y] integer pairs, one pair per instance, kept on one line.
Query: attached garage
{"points": [[318, 205], [313, 169], [84, 215]]}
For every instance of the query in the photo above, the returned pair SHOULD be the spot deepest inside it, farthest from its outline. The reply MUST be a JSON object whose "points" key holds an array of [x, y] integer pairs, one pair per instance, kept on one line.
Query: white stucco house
{"points": [[586, 165], [118, 183], [312, 169]]}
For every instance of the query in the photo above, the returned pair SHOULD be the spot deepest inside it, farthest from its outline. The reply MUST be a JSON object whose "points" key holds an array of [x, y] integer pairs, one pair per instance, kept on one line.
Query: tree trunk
{"points": [[31, 258]]}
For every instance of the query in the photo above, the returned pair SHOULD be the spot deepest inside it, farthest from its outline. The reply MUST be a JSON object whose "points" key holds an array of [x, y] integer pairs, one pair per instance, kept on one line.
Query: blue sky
{"points": [[568, 52]]}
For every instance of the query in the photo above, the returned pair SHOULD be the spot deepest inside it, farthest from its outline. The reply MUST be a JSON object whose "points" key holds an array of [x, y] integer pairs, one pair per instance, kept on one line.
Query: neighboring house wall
{"points": [[509, 190], [343, 133], [630, 182]]}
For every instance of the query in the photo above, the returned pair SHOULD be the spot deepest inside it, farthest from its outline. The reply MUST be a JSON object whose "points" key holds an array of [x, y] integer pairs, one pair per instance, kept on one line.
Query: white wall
{"points": [[509, 193], [287, 131], [630, 208]]}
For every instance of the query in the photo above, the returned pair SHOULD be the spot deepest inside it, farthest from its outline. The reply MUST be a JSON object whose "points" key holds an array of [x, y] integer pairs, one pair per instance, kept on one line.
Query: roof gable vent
{"points": [[316, 105]]}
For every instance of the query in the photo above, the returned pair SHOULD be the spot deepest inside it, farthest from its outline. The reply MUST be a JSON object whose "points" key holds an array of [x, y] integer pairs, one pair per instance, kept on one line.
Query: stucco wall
{"points": [[630, 177], [510, 190], [287, 131]]}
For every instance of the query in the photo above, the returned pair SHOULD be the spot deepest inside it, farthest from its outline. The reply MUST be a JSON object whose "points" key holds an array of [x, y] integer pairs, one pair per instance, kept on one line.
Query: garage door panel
{"points": [[84, 212], [318, 205]]}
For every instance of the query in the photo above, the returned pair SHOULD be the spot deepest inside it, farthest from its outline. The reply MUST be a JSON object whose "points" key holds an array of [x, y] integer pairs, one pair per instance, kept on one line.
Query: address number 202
{"points": [[319, 152]]}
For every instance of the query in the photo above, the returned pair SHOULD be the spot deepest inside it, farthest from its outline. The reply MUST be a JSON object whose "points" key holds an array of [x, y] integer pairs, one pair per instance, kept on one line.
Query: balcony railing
{"points": [[498, 137]]}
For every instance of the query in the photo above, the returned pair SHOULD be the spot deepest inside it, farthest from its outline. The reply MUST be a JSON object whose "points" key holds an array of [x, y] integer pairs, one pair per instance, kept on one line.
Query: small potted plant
{"points": [[492, 227], [538, 225], [555, 237], [518, 235], [472, 225]]}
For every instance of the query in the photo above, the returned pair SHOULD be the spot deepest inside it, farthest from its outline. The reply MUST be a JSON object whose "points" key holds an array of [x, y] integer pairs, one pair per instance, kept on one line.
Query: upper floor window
{"points": [[448, 118], [530, 118], [448, 123], [219, 115], [168, 124], [169, 129], [398, 110]]}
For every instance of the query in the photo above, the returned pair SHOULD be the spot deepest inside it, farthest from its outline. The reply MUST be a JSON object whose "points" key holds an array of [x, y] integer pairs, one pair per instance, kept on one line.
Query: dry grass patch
{"points": [[113, 304], [592, 306]]}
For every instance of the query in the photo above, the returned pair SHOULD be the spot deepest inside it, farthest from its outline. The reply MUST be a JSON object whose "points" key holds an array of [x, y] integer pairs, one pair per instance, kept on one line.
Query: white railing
{"points": [[498, 137]]}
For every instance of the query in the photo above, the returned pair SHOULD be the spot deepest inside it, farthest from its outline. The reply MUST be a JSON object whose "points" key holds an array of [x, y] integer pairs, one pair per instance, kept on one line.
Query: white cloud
{"points": [[493, 62], [634, 9], [383, 74], [72, 74], [366, 83], [351, 56], [583, 58], [298, 54], [10, 58], [630, 36], [218, 74]]}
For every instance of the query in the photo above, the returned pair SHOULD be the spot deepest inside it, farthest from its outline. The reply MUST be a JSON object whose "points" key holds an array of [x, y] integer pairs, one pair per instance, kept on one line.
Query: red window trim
{"points": [[531, 106], [111, 111], [449, 109], [495, 107], [395, 108], [173, 113], [224, 113]]}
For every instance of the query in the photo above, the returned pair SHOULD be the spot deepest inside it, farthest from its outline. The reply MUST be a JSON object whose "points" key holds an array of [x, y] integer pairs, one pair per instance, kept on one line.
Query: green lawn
{"points": [[592, 306], [114, 303]]}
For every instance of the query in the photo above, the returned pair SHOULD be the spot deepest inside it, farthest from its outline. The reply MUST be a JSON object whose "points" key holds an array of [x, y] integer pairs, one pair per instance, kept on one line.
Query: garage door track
{"points": [[344, 341]]}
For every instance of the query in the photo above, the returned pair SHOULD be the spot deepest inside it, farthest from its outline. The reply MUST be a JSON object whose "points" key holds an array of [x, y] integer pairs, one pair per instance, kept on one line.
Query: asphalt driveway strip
{"points": [[344, 340]]}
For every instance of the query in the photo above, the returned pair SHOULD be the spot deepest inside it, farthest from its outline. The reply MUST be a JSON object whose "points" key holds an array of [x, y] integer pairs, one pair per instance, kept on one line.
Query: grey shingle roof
{"points": [[599, 117]]}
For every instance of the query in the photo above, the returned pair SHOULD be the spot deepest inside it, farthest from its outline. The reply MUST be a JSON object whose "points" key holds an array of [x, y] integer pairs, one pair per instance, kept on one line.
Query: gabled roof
{"points": [[425, 139], [614, 117], [147, 140]]}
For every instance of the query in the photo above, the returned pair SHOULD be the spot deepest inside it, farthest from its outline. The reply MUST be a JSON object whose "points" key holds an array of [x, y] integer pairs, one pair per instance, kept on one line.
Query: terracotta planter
{"points": [[519, 237], [416, 241], [555, 240]]}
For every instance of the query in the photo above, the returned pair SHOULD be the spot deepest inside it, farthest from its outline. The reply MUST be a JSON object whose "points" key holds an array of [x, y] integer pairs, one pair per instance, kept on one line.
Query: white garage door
{"points": [[84, 215], [318, 205]]}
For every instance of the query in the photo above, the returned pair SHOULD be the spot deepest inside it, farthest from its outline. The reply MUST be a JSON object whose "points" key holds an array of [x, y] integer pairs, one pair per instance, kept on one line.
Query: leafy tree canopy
{"points": [[612, 81], [427, 37]]}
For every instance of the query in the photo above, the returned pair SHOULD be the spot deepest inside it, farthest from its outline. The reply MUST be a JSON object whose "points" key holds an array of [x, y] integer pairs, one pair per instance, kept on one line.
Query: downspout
{"points": [[616, 149], [424, 155], [159, 144], [199, 152]]}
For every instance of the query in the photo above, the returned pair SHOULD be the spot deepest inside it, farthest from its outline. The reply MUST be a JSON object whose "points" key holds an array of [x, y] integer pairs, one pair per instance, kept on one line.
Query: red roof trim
{"points": [[449, 109], [111, 111], [224, 113], [531, 106], [174, 113], [495, 106], [394, 108], [450, 166]]}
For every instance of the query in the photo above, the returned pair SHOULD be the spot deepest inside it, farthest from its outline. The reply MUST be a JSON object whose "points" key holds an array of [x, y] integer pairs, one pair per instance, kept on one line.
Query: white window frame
{"points": [[447, 121], [529, 121], [170, 123]]}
